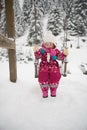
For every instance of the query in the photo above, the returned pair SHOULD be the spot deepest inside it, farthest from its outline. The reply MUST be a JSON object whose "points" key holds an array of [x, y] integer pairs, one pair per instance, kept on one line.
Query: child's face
{"points": [[49, 45]]}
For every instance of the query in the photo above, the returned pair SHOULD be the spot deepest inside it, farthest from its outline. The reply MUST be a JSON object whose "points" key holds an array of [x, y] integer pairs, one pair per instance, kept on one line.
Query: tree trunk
{"points": [[0, 7], [65, 45], [78, 42], [35, 13], [11, 34]]}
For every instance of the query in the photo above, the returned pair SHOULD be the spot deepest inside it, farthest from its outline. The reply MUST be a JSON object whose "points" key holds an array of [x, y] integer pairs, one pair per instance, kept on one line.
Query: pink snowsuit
{"points": [[49, 71]]}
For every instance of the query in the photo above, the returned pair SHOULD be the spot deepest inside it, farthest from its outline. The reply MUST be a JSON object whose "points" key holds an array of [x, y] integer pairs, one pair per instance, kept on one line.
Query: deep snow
{"points": [[22, 106]]}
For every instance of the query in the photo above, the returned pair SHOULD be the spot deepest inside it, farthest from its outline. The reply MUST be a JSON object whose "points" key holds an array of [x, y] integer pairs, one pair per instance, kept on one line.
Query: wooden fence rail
{"points": [[6, 43]]}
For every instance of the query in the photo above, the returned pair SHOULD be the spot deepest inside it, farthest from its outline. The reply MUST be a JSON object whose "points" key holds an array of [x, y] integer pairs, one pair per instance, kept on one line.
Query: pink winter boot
{"points": [[45, 92], [53, 91]]}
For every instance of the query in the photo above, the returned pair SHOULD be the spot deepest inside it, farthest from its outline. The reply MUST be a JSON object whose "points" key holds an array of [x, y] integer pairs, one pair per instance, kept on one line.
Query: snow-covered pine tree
{"points": [[3, 52], [27, 7], [54, 21], [58, 2], [48, 6], [19, 24], [66, 6], [45, 6], [40, 5], [0, 8], [66, 12], [35, 31], [79, 18], [3, 18]]}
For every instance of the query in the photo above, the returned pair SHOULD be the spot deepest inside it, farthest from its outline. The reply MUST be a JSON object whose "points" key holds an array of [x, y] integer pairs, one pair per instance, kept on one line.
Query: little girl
{"points": [[49, 71]]}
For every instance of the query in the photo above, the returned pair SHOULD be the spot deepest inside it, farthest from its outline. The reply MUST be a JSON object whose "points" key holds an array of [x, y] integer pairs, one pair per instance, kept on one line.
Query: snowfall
{"points": [[22, 106]]}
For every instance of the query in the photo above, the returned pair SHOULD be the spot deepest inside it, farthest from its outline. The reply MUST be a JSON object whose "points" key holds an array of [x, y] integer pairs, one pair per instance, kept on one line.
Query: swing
{"points": [[63, 67], [36, 64]]}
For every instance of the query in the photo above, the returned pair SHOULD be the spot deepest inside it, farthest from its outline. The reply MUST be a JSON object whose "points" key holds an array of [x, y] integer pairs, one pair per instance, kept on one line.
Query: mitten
{"points": [[42, 51], [54, 57], [35, 48], [66, 51]]}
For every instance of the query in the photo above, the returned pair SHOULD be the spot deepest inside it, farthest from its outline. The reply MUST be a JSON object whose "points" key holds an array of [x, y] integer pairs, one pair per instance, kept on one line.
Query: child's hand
{"points": [[66, 51], [35, 48]]}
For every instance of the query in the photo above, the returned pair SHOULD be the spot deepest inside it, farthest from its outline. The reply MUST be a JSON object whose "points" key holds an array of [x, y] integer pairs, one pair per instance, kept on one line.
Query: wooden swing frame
{"points": [[9, 41]]}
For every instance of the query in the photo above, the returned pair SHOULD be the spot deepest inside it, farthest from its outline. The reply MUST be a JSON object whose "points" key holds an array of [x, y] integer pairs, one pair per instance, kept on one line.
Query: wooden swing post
{"points": [[11, 34], [65, 68]]}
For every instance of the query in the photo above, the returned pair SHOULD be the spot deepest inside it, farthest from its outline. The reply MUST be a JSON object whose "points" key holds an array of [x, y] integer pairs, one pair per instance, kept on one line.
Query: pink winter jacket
{"points": [[49, 71]]}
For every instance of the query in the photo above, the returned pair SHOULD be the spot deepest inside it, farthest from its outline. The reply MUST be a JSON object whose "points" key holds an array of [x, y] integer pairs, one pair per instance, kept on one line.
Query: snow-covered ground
{"points": [[23, 108]]}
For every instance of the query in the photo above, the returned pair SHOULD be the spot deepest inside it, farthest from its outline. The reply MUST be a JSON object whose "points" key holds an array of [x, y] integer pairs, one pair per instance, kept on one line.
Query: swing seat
{"points": [[62, 68]]}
